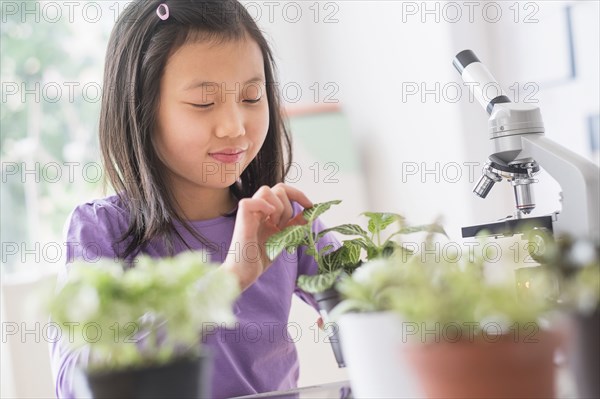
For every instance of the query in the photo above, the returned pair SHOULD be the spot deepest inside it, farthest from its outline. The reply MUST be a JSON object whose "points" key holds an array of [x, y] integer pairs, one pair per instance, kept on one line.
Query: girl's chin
{"points": [[220, 176], [220, 183]]}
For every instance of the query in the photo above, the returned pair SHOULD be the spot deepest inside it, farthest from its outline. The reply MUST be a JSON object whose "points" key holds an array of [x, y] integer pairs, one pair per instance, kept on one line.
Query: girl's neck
{"points": [[205, 205]]}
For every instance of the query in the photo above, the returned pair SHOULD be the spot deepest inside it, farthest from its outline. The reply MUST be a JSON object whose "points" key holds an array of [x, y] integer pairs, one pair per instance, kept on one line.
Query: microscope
{"points": [[519, 150]]}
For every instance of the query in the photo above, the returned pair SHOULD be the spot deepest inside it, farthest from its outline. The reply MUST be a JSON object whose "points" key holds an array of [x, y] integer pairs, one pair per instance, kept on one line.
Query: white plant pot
{"points": [[372, 347]]}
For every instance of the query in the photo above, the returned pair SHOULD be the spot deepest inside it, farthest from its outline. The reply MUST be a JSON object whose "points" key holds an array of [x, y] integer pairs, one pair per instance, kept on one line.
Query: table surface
{"points": [[335, 390]]}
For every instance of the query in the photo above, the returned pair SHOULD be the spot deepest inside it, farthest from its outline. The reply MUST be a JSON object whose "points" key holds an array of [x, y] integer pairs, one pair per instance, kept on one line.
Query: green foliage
{"points": [[347, 258], [311, 214], [287, 239], [315, 284], [145, 315], [440, 293], [455, 291], [576, 262]]}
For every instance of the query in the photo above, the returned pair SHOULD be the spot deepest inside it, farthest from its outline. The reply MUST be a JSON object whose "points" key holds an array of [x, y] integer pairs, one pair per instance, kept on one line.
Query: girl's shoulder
{"points": [[103, 210], [94, 230], [104, 218]]}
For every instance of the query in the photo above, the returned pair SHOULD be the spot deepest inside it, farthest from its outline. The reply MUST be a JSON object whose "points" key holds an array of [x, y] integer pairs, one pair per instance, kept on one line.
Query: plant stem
{"points": [[312, 243]]}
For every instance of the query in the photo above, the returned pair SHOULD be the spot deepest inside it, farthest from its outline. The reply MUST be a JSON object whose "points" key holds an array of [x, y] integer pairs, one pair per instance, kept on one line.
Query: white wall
{"points": [[378, 47], [369, 55]]}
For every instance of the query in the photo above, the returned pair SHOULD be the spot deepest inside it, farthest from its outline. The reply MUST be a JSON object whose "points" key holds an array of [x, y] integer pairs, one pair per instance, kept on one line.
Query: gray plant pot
{"points": [[182, 378], [326, 301], [586, 354]]}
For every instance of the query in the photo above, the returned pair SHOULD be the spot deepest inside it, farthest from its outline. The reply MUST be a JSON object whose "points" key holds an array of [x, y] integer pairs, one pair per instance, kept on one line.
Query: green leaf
{"points": [[346, 255], [313, 213], [318, 283], [373, 253], [326, 249], [289, 239], [430, 228], [311, 252], [363, 242], [353, 247], [378, 221], [345, 229]]}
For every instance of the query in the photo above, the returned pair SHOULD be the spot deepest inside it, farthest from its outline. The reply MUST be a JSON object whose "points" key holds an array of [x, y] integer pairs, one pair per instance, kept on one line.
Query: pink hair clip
{"points": [[163, 11]]}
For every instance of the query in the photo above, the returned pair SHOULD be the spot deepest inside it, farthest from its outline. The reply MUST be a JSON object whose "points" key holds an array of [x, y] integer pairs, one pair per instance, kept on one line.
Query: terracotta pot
{"points": [[480, 368], [183, 378]]}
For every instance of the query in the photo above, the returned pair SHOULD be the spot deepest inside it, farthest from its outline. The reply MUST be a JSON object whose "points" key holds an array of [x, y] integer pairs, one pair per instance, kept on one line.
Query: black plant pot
{"points": [[182, 378], [327, 300], [586, 354]]}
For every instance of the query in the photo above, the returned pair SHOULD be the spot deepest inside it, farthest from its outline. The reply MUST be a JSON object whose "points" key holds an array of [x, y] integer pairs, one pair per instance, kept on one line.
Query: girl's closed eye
{"points": [[208, 105], [253, 101]]}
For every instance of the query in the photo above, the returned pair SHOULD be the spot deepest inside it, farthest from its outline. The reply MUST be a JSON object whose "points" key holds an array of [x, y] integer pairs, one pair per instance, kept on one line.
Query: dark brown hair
{"points": [[137, 53]]}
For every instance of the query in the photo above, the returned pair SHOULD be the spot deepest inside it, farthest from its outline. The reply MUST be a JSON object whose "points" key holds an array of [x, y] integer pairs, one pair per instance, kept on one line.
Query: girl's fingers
{"points": [[269, 210], [288, 211], [248, 206], [298, 220], [286, 195], [293, 194], [280, 197], [267, 194]]}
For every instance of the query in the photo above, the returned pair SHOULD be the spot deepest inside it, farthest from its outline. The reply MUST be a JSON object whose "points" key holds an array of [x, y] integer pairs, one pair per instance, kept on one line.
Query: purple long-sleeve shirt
{"points": [[255, 356]]}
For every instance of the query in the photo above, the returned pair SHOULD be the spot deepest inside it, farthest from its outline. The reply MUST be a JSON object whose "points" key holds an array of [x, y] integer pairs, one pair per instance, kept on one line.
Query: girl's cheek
{"points": [[259, 130], [261, 118]]}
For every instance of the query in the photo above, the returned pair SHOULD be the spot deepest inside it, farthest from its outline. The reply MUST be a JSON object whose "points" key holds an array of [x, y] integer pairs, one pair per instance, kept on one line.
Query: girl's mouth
{"points": [[227, 156]]}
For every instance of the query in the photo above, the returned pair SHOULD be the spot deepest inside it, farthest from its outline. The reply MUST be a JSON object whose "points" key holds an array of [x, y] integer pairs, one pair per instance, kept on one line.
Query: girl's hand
{"points": [[258, 218]]}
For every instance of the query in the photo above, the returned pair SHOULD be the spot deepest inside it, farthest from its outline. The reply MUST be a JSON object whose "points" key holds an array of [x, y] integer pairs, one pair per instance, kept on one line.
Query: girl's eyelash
{"points": [[208, 105]]}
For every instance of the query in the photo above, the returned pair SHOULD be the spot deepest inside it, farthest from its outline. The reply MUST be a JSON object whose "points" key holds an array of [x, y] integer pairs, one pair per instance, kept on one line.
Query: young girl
{"points": [[193, 142]]}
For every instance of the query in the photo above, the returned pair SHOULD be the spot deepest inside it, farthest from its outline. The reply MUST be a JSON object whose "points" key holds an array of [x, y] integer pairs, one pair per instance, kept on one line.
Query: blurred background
{"points": [[380, 119]]}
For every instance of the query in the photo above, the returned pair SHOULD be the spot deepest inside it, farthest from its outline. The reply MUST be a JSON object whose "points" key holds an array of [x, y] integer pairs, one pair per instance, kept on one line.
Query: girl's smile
{"points": [[228, 155]]}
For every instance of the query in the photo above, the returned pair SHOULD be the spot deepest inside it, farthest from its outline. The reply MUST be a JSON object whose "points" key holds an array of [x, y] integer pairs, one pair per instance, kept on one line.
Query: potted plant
{"points": [[334, 263], [454, 333], [577, 263], [143, 324]]}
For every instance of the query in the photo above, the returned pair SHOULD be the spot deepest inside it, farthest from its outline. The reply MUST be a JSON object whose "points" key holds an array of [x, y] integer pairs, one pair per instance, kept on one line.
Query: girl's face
{"points": [[213, 114]]}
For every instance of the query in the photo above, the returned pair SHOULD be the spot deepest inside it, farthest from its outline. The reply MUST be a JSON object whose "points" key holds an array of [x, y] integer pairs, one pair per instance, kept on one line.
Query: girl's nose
{"points": [[230, 121]]}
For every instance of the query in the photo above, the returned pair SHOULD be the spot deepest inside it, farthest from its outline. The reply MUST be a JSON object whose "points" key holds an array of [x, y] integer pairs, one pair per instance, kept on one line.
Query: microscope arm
{"points": [[579, 181]]}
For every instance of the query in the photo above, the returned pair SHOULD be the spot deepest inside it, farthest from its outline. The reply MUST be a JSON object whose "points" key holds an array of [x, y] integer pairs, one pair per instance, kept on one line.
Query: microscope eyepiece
{"points": [[463, 59], [480, 80]]}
